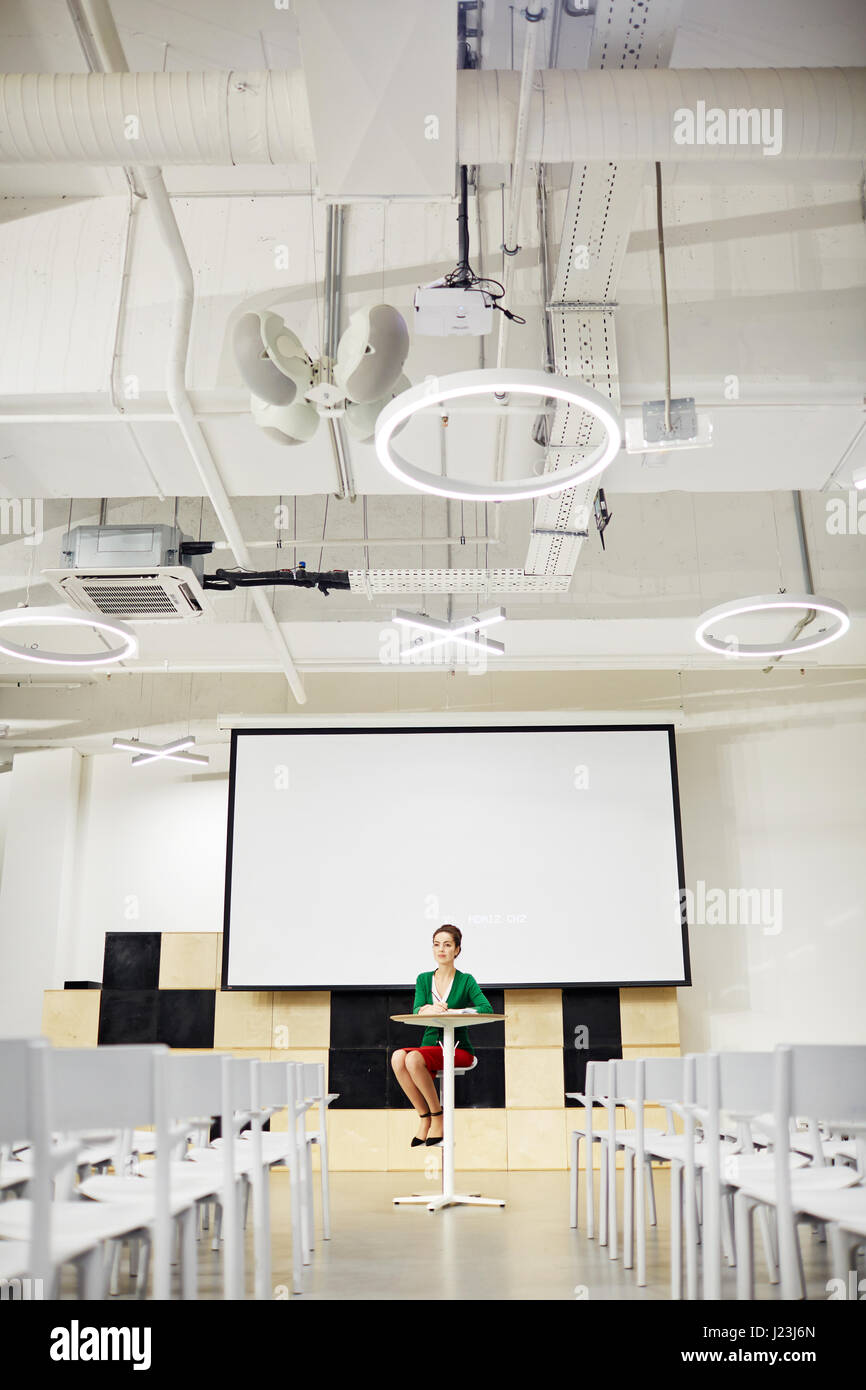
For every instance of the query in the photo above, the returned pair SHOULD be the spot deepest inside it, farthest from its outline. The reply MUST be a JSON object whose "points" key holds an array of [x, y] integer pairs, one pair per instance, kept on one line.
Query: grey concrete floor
{"points": [[525, 1251]]}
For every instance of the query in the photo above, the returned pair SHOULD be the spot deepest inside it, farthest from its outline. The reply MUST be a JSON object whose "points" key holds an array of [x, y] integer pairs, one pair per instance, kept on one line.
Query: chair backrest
{"points": [[277, 1083], [25, 1114], [311, 1081], [17, 1118], [745, 1082], [194, 1085], [827, 1081], [114, 1087], [664, 1078]]}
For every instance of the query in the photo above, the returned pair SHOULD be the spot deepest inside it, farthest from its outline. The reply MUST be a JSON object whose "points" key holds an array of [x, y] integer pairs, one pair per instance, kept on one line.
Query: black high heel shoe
{"points": [[431, 1142], [421, 1116]]}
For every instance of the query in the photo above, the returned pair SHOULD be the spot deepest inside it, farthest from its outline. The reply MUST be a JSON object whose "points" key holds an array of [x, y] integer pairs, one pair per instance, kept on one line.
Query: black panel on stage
{"points": [[360, 1076], [128, 1016], [131, 960], [186, 1017], [591, 1031]]}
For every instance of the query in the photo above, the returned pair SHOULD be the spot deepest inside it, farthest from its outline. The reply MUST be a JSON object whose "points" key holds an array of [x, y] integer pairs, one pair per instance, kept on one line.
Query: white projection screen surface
{"points": [[556, 850]]}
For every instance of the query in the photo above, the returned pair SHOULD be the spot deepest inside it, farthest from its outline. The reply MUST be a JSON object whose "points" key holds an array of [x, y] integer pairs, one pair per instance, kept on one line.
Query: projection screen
{"points": [[556, 850]]}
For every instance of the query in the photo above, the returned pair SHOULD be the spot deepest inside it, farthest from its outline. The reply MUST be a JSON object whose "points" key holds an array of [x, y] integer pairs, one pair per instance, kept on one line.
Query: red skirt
{"points": [[433, 1057]]}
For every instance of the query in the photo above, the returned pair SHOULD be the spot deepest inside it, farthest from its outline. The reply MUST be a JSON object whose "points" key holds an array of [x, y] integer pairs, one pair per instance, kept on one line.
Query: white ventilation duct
{"points": [[224, 118]]}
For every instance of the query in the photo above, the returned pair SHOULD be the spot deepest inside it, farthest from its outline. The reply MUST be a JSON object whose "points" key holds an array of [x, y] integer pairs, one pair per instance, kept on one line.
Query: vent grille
{"points": [[158, 594]]}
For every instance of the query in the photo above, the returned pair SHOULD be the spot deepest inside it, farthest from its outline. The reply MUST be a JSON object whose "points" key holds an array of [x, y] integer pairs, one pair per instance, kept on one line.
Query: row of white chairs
{"points": [[68, 1115], [775, 1136]]}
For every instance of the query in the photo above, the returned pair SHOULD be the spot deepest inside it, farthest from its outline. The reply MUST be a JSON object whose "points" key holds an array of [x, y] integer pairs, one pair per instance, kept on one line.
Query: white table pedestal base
{"points": [[456, 1199], [448, 1197]]}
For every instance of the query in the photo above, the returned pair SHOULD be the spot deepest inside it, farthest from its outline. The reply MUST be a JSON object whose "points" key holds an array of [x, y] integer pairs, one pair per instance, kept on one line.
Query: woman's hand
{"points": [[438, 1008]]}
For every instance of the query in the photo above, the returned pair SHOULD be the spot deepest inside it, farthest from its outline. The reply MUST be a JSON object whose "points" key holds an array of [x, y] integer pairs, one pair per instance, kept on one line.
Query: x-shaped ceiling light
{"points": [[468, 631], [153, 752]]}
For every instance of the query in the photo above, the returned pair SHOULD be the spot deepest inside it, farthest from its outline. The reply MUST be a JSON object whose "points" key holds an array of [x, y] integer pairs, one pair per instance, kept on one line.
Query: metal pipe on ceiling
{"points": [[108, 50], [256, 117]]}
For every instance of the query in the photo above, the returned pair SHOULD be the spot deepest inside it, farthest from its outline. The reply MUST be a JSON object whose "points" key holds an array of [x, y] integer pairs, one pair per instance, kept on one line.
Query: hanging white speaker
{"points": [[361, 419], [371, 353], [271, 358], [286, 424]]}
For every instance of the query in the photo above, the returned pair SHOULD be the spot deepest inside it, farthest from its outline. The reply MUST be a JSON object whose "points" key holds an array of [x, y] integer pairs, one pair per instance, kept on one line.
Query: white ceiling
{"points": [[766, 266]]}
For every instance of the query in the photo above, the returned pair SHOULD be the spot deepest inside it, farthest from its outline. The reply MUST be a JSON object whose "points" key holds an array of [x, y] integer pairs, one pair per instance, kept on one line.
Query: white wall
{"points": [[775, 809], [37, 926], [780, 809], [151, 852]]}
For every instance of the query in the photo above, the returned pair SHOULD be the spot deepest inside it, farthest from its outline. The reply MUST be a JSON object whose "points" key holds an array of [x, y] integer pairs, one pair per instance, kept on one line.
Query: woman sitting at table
{"points": [[438, 991]]}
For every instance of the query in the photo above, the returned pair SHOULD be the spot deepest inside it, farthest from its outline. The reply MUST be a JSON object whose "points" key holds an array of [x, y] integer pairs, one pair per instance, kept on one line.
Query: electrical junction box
{"points": [[441, 311]]}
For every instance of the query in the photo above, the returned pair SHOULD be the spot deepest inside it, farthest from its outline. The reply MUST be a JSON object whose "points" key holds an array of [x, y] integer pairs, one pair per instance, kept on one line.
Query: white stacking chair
{"points": [[197, 1087], [659, 1079], [312, 1091], [593, 1094], [68, 1090], [275, 1088], [823, 1083], [622, 1085]]}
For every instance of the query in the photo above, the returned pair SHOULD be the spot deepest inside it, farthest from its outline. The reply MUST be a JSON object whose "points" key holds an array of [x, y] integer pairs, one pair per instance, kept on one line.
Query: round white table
{"points": [[448, 1023]]}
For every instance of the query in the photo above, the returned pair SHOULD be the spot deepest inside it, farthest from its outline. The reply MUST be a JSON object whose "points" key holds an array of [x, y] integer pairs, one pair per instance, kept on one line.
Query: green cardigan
{"points": [[464, 993]]}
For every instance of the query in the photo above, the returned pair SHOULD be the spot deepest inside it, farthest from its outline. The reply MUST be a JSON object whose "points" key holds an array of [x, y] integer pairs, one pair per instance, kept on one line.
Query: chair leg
{"points": [[727, 1230], [325, 1180], [262, 1232], [843, 1246], [574, 1148], [651, 1192], [743, 1207], [628, 1166], [640, 1218], [770, 1252], [612, 1235], [603, 1193], [676, 1231], [308, 1155], [589, 1184], [217, 1226], [189, 1255], [92, 1275], [114, 1261], [247, 1189]]}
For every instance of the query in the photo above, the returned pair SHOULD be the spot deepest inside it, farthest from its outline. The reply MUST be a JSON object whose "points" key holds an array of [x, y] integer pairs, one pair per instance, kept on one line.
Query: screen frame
{"points": [[307, 730]]}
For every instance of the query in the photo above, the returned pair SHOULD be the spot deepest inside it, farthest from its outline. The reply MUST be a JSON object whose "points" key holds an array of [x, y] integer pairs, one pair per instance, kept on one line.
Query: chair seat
{"points": [[627, 1138], [210, 1160], [804, 1184], [184, 1190], [15, 1173], [276, 1145], [76, 1227], [14, 1259], [847, 1208]]}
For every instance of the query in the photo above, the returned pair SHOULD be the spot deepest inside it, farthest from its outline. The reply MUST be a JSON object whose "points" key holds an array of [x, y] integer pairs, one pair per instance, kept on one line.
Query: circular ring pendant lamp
{"points": [[761, 603], [127, 644], [499, 382]]}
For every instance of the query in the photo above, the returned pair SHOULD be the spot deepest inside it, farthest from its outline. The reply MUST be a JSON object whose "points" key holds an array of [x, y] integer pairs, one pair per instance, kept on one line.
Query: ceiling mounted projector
{"points": [[271, 359], [441, 311], [371, 353]]}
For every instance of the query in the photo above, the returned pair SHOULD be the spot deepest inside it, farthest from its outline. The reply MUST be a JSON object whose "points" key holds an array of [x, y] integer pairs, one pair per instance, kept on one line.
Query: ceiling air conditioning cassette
{"points": [[139, 595]]}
